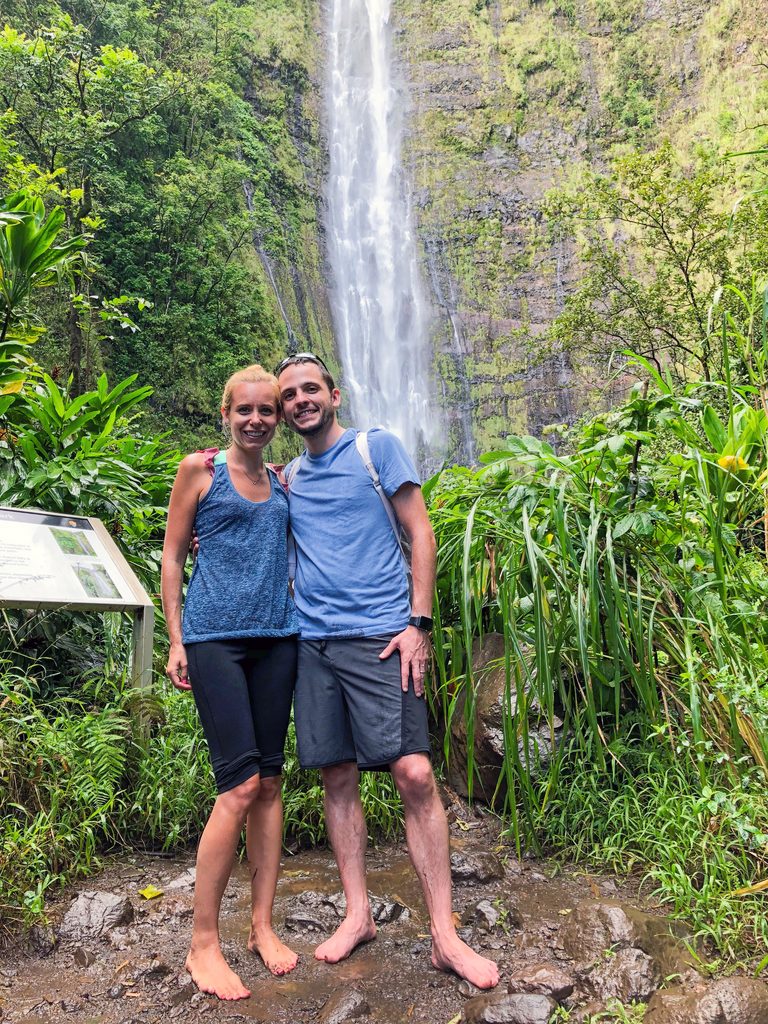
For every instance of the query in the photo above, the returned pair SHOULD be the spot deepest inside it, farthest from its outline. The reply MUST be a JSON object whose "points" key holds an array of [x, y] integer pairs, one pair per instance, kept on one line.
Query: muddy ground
{"points": [[133, 974]]}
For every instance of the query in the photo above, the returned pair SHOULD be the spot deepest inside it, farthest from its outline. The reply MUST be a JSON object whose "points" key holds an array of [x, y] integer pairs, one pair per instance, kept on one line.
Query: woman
{"points": [[236, 651]]}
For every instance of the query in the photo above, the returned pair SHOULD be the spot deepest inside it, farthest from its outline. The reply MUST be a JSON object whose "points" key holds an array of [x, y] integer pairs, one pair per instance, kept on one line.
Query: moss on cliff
{"points": [[511, 97]]}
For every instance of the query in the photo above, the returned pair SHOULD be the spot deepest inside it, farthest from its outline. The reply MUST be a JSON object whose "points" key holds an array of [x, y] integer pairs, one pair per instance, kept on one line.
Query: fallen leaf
{"points": [[151, 892]]}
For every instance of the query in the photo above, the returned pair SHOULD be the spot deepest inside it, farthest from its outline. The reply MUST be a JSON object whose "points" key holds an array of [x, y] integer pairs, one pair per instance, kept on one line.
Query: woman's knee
{"points": [[241, 796], [271, 789]]}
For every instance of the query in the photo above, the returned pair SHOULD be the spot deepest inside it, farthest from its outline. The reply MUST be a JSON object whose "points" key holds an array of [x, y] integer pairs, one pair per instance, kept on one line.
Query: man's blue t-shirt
{"points": [[350, 576]]}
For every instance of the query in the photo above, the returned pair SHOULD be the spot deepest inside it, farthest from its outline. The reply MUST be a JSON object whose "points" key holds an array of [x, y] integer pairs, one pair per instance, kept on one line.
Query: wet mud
{"points": [[133, 973]]}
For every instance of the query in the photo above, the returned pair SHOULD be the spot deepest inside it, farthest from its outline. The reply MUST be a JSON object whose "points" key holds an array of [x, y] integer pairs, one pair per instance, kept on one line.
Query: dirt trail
{"points": [[134, 973], [560, 937]]}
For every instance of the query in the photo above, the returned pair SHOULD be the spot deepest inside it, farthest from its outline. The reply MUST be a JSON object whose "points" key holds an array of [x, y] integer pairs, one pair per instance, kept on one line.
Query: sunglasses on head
{"points": [[300, 357]]}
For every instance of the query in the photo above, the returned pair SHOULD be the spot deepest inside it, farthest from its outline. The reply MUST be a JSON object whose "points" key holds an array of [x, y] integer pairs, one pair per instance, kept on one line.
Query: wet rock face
{"points": [[509, 1008], [93, 914], [489, 673], [726, 1001]]}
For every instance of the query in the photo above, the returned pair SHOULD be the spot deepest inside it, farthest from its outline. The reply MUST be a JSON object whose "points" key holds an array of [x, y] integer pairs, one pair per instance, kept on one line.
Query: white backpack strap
{"points": [[294, 469], [290, 476], [364, 451]]}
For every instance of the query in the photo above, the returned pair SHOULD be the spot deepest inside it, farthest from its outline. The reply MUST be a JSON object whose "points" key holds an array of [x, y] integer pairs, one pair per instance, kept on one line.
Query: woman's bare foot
{"points": [[277, 957], [347, 937], [451, 954], [211, 973]]}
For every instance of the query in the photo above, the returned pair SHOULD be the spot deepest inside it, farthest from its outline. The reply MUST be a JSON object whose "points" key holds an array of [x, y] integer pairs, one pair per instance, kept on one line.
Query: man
{"points": [[364, 652]]}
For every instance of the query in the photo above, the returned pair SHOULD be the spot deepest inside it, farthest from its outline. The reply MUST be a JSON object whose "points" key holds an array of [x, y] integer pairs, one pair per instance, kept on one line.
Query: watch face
{"points": [[420, 622]]}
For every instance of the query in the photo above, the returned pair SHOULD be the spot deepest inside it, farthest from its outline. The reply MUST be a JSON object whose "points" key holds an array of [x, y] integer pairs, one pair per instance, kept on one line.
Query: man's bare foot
{"points": [[347, 937], [277, 957], [211, 973], [451, 954]]}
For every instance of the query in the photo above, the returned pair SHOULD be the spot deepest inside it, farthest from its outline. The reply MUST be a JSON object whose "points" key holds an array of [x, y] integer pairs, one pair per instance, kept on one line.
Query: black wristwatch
{"points": [[421, 622]]}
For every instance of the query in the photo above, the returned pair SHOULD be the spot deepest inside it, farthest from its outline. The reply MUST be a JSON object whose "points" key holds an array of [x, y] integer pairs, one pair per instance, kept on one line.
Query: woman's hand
{"points": [[176, 669]]}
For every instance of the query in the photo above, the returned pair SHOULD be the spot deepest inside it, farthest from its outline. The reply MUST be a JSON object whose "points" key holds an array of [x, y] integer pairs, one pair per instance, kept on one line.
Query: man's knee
{"points": [[414, 777], [341, 780]]}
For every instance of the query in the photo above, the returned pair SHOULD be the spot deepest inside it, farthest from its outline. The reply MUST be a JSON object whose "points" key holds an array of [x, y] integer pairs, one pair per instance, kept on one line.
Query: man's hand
{"points": [[415, 656], [176, 669]]}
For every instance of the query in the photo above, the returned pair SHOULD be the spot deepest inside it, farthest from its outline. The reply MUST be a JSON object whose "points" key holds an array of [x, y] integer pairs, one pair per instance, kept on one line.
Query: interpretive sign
{"points": [[48, 560]]}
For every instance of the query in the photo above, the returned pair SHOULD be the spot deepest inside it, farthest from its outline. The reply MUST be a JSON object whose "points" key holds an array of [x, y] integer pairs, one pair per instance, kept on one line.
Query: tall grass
{"points": [[627, 576]]}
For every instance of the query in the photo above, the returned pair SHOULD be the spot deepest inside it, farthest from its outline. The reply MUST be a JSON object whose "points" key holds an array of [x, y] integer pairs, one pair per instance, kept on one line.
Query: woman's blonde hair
{"points": [[254, 374]]}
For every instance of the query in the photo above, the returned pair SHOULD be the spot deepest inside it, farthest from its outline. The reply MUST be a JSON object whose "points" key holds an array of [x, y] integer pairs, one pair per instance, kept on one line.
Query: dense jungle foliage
{"points": [[623, 565], [162, 131]]}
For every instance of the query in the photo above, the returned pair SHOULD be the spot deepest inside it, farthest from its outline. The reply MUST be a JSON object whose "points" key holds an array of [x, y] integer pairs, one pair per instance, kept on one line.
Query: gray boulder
{"points": [[344, 1005], [544, 980], [725, 1001], [629, 976], [93, 914], [593, 927], [481, 866], [509, 1008]]}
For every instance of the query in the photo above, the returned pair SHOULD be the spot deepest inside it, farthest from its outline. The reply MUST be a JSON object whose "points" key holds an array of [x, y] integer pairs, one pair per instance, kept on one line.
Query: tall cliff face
{"points": [[510, 97], [286, 88]]}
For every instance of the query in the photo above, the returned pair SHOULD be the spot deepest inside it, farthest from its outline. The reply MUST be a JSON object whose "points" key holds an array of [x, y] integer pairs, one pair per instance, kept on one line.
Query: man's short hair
{"points": [[308, 357]]}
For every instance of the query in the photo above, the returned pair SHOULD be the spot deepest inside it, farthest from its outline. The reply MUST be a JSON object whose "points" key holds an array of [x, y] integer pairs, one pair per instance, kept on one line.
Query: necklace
{"points": [[254, 480]]}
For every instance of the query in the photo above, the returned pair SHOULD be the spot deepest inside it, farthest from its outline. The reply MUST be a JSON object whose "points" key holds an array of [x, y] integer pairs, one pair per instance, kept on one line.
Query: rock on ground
{"points": [[725, 1001], [344, 1005], [479, 866], [94, 913], [544, 980], [628, 975], [592, 928], [509, 1008]]}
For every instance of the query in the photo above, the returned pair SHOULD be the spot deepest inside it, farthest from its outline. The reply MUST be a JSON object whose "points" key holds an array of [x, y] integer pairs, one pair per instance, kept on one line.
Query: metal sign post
{"points": [[49, 560]]}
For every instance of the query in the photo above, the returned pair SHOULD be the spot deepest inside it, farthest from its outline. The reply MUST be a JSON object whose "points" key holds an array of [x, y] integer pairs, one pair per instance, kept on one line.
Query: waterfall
{"points": [[380, 312]]}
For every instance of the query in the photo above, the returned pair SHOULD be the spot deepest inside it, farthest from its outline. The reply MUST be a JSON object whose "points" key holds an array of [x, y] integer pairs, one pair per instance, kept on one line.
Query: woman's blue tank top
{"points": [[239, 585]]}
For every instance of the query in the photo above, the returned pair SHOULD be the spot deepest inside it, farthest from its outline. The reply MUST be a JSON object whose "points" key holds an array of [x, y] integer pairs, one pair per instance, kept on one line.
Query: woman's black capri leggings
{"points": [[243, 690]]}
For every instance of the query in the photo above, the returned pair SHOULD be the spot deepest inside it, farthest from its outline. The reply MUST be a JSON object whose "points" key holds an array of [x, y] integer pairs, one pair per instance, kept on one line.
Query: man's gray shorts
{"points": [[350, 706]]}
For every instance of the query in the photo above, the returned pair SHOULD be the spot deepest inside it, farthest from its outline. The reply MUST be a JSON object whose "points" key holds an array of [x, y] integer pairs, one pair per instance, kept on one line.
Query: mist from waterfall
{"points": [[381, 315]]}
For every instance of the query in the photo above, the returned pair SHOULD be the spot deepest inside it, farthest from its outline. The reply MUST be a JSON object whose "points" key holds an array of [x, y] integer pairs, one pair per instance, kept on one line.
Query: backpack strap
{"points": [[294, 469], [364, 451], [287, 480]]}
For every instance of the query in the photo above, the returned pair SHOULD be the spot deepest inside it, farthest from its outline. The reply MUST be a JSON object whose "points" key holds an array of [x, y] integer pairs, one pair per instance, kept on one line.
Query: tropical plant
{"points": [[31, 256], [626, 578]]}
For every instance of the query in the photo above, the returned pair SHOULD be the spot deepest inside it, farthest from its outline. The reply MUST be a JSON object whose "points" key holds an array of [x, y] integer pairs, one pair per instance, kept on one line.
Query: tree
{"points": [[656, 242]]}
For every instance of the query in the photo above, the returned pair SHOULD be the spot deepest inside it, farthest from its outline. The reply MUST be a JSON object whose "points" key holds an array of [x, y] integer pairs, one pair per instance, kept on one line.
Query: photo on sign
{"points": [[94, 580], [72, 542]]}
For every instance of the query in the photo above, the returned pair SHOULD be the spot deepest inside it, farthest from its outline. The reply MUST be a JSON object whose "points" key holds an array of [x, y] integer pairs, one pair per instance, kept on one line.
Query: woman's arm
{"points": [[188, 487]]}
